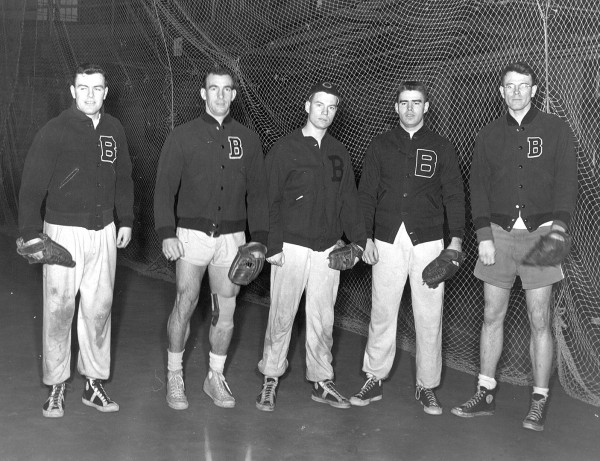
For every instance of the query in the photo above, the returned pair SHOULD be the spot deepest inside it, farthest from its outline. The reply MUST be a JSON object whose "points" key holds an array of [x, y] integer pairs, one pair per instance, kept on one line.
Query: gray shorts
{"points": [[511, 248]]}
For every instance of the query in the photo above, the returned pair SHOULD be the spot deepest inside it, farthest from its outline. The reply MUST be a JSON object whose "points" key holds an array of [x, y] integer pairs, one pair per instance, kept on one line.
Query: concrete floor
{"points": [[395, 428]]}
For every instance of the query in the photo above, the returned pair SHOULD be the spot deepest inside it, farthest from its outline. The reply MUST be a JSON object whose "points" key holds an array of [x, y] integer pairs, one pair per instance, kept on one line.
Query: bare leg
{"points": [[492, 331], [188, 279], [541, 347]]}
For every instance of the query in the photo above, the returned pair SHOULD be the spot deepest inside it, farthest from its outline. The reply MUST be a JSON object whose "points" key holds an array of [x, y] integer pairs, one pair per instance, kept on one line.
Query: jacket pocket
{"points": [[67, 178]]}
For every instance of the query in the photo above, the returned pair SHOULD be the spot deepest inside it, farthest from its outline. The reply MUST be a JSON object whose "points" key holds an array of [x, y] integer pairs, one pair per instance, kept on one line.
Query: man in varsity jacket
{"points": [[523, 184]]}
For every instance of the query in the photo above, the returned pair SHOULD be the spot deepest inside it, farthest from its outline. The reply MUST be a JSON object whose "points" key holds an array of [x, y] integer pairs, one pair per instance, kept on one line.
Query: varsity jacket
{"points": [[529, 168], [213, 169], [312, 194], [84, 172], [411, 181]]}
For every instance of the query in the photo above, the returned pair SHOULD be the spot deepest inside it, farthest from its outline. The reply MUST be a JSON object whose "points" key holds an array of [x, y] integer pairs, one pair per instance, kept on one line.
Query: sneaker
{"points": [[483, 403], [217, 389], [325, 392], [95, 396], [266, 399], [176, 398], [431, 405], [371, 391], [53, 407], [537, 413]]}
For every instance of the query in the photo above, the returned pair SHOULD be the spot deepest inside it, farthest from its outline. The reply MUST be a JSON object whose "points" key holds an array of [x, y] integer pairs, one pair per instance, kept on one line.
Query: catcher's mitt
{"points": [[248, 263], [443, 267], [550, 250], [52, 252], [343, 256]]}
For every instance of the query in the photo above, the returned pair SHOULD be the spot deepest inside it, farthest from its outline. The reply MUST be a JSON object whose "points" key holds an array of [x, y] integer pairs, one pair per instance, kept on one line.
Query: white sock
{"points": [[487, 382], [216, 362], [174, 360], [541, 390]]}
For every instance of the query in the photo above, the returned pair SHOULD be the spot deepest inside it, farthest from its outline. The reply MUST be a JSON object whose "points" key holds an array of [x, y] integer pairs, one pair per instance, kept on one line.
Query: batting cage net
{"points": [[156, 51]]}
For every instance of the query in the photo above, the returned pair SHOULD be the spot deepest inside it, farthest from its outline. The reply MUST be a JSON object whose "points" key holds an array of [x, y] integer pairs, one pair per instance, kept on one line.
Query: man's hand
{"points": [[123, 237], [277, 260], [172, 248], [487, 252], [370, 255]]}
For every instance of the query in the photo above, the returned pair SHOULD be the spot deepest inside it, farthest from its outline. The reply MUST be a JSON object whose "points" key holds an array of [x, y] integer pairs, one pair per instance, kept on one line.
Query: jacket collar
{"points": [[529, 117], [211, 120], [403, 134], [78, 115]]}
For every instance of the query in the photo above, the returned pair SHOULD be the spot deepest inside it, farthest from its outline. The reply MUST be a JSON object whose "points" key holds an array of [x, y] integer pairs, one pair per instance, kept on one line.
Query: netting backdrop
{"points": [[155, 52]]}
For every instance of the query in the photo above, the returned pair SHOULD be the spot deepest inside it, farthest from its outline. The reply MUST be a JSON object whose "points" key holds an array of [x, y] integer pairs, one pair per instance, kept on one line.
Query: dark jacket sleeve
{"points": [[453, 193], [37, 173], [124, 184], [565, 178], [168, 178], [256, 186], [368, 187], [479, 184], [275, 190], [352, 218]]}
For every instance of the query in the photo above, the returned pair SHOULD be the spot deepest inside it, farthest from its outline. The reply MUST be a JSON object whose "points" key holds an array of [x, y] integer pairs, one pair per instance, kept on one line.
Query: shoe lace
{"points": [[268, 390], [177, 387], [329, 386], [429, 395], [56, 395], [536, 410], [99, 391], [369, 384], [221, 380], [480, 394]]}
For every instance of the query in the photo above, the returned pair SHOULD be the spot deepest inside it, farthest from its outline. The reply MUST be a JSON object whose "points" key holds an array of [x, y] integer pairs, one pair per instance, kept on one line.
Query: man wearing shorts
{"points": [[523, 184], [214, 164]]}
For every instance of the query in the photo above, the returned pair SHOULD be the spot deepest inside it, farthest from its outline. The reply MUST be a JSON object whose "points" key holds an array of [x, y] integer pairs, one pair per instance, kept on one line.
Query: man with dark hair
{"points": [[79, 162], [523, 184], [214, 165], [312, 202], [410, 176]]}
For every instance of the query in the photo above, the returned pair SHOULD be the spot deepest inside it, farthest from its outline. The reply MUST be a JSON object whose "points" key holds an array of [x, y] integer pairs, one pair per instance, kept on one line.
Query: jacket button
{"points": [[405, 194]]}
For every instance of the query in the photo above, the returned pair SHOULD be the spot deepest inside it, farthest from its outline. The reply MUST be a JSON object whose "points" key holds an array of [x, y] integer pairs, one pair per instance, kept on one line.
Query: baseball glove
{"points": [[52, 252], [550, 250], [343, 256], [443, 267], [248, 263]]}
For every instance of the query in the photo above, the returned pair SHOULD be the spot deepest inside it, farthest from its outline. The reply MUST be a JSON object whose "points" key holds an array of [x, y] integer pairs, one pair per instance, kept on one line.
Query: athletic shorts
{"points": [[202, 250], [511, 248]]}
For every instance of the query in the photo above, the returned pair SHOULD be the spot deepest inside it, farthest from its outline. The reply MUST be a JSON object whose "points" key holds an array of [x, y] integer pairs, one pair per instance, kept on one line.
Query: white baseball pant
{"points": [[397, 262], [303, 269], [95, 255]]}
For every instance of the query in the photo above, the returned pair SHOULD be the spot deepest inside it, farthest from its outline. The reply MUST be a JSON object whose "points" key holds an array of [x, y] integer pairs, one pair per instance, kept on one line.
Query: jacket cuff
{"points": [[166, 233], [260, 237], [28, 234], [485, 233]]}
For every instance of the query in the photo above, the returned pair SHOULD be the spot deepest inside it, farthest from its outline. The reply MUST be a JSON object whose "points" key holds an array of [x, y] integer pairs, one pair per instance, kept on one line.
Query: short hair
{"points": [[219, 70], [89, 68], [412, 85], [520, 68]]}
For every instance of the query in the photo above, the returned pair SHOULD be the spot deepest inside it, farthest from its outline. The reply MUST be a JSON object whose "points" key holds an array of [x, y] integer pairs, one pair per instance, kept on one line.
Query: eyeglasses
{"points": [[521, 87]]}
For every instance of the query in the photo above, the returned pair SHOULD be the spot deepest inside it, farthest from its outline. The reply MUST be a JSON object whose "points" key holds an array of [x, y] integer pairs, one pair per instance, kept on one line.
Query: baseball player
{"points": [[79, 162], [213, 164], [312, 202], [410, 177], [523, 184]]}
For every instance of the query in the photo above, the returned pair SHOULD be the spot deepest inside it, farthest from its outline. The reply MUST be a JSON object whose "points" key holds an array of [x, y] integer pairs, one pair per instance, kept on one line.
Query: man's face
{"points": [[517, 91], [321, 109], [89, 92], [411, 107], [218, 94]]}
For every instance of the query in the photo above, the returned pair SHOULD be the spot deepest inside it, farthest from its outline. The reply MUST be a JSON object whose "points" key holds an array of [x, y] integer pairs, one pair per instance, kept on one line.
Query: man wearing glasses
{"points": [[523, 184]]}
